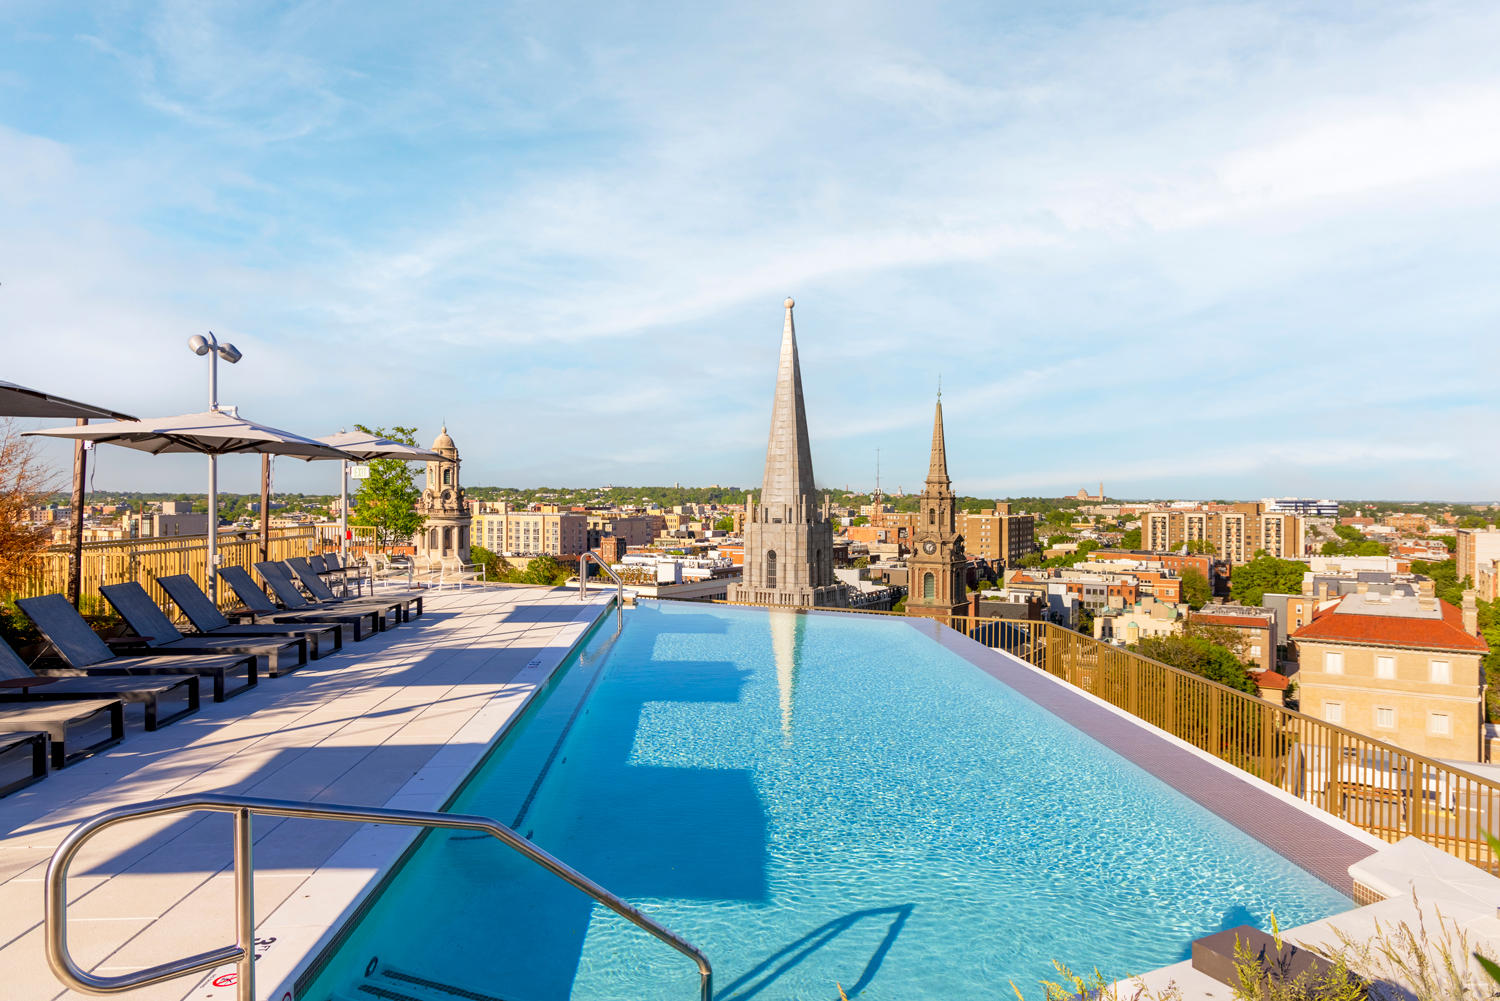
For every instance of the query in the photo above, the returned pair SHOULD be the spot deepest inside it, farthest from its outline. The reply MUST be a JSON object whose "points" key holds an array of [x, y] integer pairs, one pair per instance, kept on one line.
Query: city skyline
{"points": [[1151, 253]]}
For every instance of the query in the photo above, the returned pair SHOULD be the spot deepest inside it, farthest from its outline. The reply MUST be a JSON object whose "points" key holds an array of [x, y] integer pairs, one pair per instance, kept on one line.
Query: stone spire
{"points": [[788, 491], [937, 465]]}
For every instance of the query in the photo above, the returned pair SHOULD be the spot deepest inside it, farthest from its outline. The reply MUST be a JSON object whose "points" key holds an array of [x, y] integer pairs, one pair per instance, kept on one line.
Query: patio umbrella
{"points": [[212, 433], [365, 446], [21, 401]]}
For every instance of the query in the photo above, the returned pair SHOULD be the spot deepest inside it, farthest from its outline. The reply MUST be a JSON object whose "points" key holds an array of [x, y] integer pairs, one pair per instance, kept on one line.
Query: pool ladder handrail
{"points": [[583, 585], [242, 953]]}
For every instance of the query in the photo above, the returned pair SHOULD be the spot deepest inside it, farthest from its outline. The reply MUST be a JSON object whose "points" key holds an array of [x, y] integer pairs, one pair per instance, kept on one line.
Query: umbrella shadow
{"points": [[766, 972]]}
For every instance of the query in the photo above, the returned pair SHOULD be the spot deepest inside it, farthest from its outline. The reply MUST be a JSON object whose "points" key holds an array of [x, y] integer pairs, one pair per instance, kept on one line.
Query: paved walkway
{"points": [[398, 720]]}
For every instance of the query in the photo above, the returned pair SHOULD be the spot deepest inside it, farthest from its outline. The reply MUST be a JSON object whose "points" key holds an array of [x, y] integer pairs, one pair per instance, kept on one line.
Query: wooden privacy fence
{"points": [[1386, 790], [146, 560]]}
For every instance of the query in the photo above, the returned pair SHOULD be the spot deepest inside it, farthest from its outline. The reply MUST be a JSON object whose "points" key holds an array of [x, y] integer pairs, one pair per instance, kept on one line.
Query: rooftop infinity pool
{"points": [[811, 800]]}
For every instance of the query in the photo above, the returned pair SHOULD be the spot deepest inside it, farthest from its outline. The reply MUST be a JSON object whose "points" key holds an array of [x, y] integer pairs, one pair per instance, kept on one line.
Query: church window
{"points": [[447, 477], [929, 585], [770, 568], [932, 516]]}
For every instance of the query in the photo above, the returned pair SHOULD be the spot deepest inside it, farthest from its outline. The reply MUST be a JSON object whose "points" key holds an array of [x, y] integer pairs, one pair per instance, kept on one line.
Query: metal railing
{"points": [[1381, 788], [583, 585], [242, 952], [124, 560]]}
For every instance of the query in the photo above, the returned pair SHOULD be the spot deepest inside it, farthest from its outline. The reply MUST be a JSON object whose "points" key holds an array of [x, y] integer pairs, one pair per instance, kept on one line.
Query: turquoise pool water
{"points": [[812, 800]]}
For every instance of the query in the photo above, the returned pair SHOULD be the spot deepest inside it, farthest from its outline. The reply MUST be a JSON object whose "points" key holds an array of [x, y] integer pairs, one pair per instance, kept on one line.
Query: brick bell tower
{"points": [[937, 568]]}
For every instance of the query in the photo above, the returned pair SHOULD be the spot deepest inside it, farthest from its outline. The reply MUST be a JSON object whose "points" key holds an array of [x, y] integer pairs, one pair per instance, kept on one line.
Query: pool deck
{"points": [[396, 720]]}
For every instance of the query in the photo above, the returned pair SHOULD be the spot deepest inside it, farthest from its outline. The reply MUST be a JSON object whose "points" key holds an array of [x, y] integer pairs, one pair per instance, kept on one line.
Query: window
{"points": [[929, 586], [1439, 724], [1255, 650], [1333, 662], [1440, 672], [1385, 667], [770, 568], [1333, 712], [1385, 717]]}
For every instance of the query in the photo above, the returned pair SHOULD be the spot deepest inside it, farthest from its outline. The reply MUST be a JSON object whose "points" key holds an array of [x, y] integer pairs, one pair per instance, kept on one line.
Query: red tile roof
{"points": [[1446, 633], [1270, 679]]}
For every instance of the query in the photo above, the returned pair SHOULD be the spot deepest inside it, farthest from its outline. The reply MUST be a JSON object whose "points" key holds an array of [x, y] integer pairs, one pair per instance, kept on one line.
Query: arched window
{"points": [[929, 586], [447, 538], [432, 539], [770, 568], [448, 477], [932, 516]]}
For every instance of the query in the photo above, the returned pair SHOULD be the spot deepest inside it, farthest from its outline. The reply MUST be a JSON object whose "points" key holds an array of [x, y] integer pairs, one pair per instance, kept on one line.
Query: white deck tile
{"points": [[399, 719]]}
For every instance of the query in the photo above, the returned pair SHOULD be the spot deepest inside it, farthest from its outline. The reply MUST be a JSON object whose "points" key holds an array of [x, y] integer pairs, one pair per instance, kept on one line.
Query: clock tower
{"points": [[937, 568]]}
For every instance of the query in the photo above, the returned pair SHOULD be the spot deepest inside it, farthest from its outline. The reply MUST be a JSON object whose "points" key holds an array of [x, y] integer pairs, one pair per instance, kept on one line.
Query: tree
{"points": [[1199, 547], [725, 524], [24, 483], [1199, 656], [1131, 539], [1249, 582], [543, 569], [387, 498], [1445, 582], [1195, 588], [496, 567]]}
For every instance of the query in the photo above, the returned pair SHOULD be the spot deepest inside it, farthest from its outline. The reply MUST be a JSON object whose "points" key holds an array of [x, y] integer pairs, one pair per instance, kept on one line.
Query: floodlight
{"points": [[199, 344]]}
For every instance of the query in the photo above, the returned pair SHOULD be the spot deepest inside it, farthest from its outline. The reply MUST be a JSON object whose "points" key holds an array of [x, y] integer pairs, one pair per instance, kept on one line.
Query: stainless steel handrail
{"points": [[243, 953], [583, 585]]}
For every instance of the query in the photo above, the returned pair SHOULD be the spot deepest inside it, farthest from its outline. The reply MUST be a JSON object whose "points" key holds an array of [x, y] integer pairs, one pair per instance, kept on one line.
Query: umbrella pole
{"points": [[344, 512], [265, 506], [75, 554], [213, 528]]}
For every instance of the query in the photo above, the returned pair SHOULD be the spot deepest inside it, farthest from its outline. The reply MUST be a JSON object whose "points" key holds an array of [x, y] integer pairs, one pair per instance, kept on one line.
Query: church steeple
{"points": [[937, 464], [788, 490]]}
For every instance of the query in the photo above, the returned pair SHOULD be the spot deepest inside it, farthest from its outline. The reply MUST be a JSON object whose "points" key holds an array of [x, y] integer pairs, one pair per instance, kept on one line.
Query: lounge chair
{"points": [[279, 578], [259, 608], [87, 655], [274, 657], [26, 750], [329, 570], [409, 601], [69, 724], [50, 688], [322, 638]]}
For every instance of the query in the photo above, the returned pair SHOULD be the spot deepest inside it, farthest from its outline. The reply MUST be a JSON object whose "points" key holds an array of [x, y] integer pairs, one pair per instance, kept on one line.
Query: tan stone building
{"points": [[521, 532], [788, 534], [445, 534], [938, 566], [1400, 669], [1477, 556], [1256, 628], [996, 534]]}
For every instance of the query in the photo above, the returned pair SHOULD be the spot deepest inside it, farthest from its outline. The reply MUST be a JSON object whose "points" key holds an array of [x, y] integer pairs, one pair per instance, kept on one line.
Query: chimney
{"points": [[1426, 599], [1363, 587], [1471, 614]]}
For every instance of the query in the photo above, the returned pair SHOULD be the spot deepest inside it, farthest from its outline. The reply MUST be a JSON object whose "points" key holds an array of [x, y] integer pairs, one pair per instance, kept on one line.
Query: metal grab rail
{"points": [[242, 953], [583, 585]]}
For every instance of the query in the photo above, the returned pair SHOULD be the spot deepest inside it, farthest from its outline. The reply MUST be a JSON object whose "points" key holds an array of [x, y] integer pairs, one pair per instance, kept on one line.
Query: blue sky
{"points": [[1202, 250]]}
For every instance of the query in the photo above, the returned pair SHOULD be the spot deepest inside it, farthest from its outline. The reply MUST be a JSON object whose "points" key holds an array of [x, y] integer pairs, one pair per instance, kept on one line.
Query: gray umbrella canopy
{"points": [[213, 432], [19, 401], [364, 447]]}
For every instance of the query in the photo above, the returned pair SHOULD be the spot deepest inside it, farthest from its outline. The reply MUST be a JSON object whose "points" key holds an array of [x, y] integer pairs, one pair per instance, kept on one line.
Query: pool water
{"points": [[812, 800]]}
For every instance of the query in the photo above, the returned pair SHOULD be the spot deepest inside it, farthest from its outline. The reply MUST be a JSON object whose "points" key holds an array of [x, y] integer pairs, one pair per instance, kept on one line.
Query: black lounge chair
{"points": [[63, 721], [274, 657], [258, 608], [332, 572], [410, 599], [52, 688], [26, 749], [278, 576], [322, 638], [88, 655]]}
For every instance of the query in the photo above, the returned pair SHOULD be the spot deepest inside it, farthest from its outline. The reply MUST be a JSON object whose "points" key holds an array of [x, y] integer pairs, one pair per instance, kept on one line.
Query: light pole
{"points": [[210, 346]]}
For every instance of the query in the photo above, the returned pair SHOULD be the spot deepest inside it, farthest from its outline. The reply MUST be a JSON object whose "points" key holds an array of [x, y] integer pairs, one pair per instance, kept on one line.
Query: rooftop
{"points": [[1392, 621]]}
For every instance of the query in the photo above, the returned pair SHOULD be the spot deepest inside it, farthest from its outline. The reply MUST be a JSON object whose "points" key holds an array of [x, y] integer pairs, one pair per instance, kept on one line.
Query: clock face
{"points": [[929, 547]]}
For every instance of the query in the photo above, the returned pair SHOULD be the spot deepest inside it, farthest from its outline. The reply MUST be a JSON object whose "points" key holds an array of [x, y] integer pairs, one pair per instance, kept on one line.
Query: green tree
{"points": [[1445, 582], [1201, 547], [544, 569], [1195, 588], [725, 524], [1131, 539], [387, 498], [495, 566], [1199, 656], [1249, 582]]}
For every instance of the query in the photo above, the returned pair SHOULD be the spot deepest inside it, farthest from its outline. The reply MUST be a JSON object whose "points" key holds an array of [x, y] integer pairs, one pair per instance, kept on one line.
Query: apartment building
{"points": [[500, 529], [997, 534], [1478, 555], [635, 529], [1401, 669], [1235, 531]]}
